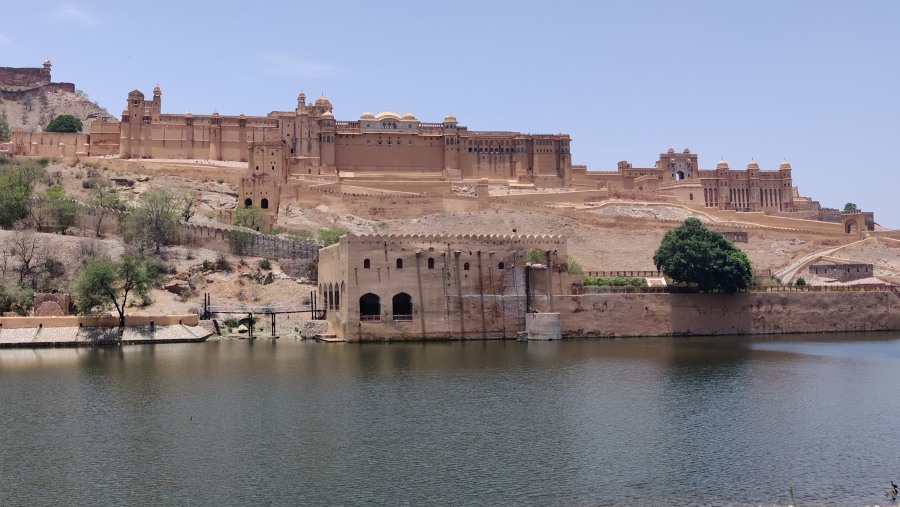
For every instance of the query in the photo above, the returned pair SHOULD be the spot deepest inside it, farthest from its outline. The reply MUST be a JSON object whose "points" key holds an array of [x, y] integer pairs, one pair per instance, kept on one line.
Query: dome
{"points": [[243, 115], [322, 101], [125, 112], [367, 116], [327, 114], [301, 96], [450, 119], [387, 115], [687, 150], [722, 164], [189, 115], [215, 112], [47, 62], [670, 150], [784, 165], [753, 165], [408, 116], [156, 90]]}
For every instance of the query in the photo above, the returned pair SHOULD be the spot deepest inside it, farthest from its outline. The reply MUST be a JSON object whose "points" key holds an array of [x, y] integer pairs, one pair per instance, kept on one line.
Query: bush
{"points": [[573, 268], [64, 123], [534, 256], [331, 235], [614, 281], [265, 264], [801, 282], [222, 263]]}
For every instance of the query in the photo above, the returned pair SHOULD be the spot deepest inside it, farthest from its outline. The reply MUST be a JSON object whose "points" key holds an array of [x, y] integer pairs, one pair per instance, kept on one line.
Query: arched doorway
{"points": [[248, 202], [402, 306], [369, 307], [264, 203]]}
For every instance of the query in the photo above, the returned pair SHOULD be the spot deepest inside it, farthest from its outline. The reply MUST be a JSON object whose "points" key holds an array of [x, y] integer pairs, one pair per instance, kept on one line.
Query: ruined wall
{"points": [[842, 272]]}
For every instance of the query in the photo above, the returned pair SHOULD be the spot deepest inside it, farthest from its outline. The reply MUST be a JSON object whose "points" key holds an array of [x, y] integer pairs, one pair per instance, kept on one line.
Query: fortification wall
{"points": [[14, 78], [715, 314], [103, 321], [50, 144]]}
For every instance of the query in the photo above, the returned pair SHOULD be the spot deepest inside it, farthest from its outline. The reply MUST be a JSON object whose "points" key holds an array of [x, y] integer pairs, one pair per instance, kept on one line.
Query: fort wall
{"points": [[715, 314], [101, 321]]}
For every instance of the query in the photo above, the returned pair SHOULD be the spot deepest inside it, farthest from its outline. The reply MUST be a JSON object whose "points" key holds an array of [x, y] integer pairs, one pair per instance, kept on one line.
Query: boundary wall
{"points": [[98, 321]]}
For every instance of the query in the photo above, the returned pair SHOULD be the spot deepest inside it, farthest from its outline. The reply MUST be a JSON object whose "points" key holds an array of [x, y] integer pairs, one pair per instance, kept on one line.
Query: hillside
{"points": [[31, 111]]}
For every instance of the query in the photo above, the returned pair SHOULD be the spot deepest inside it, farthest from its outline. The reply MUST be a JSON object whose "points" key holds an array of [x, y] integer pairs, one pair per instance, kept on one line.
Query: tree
{"points": [[850, 207], [104, 195], [691, 253], [251, 217], [16, 185], [154, 221], [64, 123], [63, 209], [5, 132], [331, 235], [104, 281], [535, 256]]}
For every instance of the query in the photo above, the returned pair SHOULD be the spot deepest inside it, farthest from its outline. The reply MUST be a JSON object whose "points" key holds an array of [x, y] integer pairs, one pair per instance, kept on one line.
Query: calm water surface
{"points": [[707, 421]]}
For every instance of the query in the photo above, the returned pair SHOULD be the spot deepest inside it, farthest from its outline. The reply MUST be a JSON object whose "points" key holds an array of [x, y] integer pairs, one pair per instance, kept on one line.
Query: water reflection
{"points": [[705, 421]]}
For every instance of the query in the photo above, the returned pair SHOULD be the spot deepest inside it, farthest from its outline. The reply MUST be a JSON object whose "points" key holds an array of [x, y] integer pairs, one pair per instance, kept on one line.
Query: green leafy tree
{"points": [[534, 256], [691, 253], [331, 235], [850, 207], [239, 241], [16, 186], [63, 210], [5, 132], [251, 217], [103, 281], [64, 123], [154, 221], [104, 195]]}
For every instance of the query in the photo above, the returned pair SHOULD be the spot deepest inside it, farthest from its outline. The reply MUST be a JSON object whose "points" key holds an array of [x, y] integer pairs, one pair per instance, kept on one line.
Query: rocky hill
{"points": [[33, 110]]}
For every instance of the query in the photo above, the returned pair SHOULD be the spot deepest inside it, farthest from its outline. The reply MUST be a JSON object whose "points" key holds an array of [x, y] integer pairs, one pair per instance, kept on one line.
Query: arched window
{"points": [[399, 263], [466, 266], [329, 296], [264, 203], [367, 264], [369, 307], [337, 297], [402, 306], [248, 202], [500, 265], [690, 197], [431, 263]]}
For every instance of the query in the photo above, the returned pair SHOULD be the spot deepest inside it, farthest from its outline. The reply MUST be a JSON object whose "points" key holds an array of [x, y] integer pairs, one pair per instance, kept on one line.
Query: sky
{"points": [[813, 82]]}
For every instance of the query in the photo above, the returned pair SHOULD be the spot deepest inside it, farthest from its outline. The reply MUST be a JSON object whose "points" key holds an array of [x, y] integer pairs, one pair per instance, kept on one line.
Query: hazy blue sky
{"points": [[814, 82]]}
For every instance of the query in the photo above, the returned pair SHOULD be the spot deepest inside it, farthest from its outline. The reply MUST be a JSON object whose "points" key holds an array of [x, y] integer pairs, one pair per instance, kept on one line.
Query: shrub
{"points": [[64, 123], [534, 256], [265, 264], [801, 282], [573, 268]]}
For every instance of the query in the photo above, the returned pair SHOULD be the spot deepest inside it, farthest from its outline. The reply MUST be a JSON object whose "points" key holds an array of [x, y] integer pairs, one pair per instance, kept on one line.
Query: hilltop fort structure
{"points": [[290, 153], [16, 82]]}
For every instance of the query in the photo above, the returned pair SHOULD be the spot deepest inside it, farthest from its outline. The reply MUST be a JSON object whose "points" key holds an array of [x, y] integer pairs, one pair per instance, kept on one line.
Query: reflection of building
{"points": [[425, 287]]}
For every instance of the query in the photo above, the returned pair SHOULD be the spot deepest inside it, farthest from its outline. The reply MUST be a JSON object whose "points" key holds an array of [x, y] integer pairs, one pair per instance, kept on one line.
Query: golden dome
{"points": [[450, 119], [408, 116], [753, 165], [367, 116]]}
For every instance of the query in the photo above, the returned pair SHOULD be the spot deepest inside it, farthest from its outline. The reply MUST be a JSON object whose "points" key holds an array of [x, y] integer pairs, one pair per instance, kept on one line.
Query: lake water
{"points": [[700, 421]]}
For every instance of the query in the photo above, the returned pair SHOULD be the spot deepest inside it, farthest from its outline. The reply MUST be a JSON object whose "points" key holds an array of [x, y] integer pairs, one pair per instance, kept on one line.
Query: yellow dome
{"points": [[322, 101], [408, 116], [784, 165], [367, 116], [722, 164], [450, 119], [753, 165]]}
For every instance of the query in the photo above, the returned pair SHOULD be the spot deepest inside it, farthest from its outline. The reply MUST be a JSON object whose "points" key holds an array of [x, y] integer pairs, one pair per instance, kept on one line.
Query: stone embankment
{"points": [[37, 332]]}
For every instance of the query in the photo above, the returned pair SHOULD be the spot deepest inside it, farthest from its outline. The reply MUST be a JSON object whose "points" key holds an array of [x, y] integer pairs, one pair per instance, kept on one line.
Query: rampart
{"points": [[714, 314], [98, 321]]}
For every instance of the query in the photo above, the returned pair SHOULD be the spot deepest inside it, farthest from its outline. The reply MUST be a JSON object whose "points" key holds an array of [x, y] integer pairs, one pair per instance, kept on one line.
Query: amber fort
{"points": [[293, 152]]}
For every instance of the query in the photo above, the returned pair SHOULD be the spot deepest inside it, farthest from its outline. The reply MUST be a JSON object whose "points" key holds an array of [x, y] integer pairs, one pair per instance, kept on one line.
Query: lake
{"points": [[642, 421]]}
